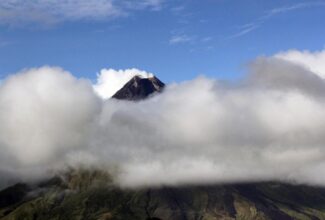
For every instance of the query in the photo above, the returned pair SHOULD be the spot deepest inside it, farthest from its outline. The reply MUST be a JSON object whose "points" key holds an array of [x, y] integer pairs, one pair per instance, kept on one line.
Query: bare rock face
{"points": [[139, 88]]}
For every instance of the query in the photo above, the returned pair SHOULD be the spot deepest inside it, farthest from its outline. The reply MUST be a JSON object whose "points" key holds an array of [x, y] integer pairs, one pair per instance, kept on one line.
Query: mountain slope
{"points": [[139, 88], [89, 194]]}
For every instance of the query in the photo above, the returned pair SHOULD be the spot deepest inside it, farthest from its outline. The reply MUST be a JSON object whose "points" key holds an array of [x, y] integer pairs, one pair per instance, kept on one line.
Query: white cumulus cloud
{"points": [[46, 112], [313, 61], [269, 126]]}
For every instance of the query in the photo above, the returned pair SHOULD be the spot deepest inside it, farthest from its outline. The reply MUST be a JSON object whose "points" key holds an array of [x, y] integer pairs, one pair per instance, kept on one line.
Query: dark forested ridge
{"points": [[90, 194]]}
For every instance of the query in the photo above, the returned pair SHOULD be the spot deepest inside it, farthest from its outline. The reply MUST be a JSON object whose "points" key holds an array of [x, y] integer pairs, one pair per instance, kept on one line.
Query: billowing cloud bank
{"points": [[268, 126]]}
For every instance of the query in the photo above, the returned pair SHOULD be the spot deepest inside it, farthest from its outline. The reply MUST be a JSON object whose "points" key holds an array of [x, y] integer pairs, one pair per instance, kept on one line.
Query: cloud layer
{"points": [[313, 61], [268, 126]]}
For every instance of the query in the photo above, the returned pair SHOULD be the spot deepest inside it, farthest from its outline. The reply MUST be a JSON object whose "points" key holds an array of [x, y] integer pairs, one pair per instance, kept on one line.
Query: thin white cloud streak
{"points": [[268, 126], [245, 29], [177, 9], [258, 23], [49, 12], [152, 4], [289, 8], [180, 39]]}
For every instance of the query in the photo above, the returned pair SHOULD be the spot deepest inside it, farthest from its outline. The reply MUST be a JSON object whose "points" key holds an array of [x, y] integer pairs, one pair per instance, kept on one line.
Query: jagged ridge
{"points": [[139, 88]]}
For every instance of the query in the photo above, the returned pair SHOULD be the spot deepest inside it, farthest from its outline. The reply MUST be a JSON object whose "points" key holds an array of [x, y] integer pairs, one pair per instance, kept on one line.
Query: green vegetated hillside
{"points": [[91, 195]]}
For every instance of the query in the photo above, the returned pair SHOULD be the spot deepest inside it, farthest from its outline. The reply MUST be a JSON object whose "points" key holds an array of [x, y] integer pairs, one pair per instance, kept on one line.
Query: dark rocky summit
{"points": [[139, 88]]}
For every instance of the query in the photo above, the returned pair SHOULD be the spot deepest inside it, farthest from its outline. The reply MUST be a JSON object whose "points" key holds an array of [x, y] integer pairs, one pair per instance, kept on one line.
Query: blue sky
{"points": [[175, 39]]}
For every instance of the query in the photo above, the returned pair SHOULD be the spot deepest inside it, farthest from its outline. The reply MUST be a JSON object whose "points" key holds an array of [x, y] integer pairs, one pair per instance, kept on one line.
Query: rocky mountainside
{"points": [[139, 88], [90, 194]]}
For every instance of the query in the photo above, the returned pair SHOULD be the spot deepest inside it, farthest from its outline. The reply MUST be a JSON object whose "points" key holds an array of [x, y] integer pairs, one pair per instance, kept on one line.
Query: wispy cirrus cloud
{"points": [[179, 39], [249, 27], [143, 4], [293, 7], [245, 29], [49, 12], [177, 9]]}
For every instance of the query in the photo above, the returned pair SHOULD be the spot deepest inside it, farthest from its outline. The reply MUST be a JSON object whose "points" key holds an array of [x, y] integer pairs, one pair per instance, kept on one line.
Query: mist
{"points": [[267, 126]]}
